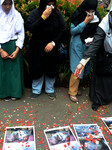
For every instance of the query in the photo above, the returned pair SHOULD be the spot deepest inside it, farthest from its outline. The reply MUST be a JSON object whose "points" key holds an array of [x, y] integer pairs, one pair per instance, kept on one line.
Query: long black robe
{"points": [[43, 32], [101, 84]]}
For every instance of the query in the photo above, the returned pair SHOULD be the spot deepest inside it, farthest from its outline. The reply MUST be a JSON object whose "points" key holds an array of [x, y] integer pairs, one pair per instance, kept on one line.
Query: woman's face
{"points": [[90, 12], [6, 6]]}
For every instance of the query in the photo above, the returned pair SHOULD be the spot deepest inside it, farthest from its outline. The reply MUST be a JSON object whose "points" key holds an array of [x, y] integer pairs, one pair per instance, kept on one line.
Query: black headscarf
{"points": [[80, 14]]}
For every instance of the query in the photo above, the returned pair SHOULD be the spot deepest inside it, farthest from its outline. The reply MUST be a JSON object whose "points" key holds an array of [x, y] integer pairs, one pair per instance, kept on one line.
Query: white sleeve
{"points": [[21, 36], [0, 45], [84, 61]]}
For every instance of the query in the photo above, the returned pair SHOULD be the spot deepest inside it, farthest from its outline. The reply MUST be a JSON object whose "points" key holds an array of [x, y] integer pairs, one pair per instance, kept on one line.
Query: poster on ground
{"points": [[61, 138], [90, 137], [19, 138], [108, 122]]}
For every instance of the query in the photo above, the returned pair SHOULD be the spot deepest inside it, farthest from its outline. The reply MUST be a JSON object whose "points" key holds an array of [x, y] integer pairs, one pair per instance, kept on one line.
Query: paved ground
{"points": [[44, 113]]}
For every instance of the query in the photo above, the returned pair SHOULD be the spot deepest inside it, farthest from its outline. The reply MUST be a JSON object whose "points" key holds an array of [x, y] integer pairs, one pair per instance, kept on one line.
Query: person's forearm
{"points": [[17, 49]]}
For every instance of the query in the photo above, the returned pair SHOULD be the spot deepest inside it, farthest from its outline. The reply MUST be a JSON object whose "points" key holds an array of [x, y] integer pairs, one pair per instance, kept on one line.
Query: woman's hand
{"points": [[88, 19], [4, 54], [14, 54], [47, 12], [78, 70], [48, 47]]}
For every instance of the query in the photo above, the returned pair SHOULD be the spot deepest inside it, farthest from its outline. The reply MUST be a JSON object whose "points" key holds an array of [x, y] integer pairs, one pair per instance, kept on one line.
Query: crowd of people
{"points": [[90, 37]]}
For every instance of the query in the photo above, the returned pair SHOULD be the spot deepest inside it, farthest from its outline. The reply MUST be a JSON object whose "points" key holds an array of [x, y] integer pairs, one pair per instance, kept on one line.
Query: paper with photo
{"points": [[19, 138], [61, 138], [90, 137], [108, 122]]}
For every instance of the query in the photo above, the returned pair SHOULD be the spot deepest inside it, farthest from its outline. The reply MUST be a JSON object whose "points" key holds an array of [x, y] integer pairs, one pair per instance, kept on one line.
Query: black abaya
{"points": [[44, 32]]}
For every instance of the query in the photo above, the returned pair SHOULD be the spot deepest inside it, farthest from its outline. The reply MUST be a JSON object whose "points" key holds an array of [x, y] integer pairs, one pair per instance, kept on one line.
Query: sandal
{"points": [[73, 98]]}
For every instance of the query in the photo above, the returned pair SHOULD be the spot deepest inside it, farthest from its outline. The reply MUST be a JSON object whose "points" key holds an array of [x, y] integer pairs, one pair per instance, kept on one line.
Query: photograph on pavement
{"points": [[19, 138], [61, 138], [90, 137], [108, 122]]}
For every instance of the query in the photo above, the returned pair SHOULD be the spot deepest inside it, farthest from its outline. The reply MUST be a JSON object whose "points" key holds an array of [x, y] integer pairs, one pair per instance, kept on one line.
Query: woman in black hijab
{"points": [[80, 15], [47, 27], [83, 27]]}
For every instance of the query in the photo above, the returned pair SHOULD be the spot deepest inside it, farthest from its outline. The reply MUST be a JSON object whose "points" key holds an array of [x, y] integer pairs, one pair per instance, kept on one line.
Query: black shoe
{"points": [[33, 96], [7, 98], [95, 106], [52, 96]]}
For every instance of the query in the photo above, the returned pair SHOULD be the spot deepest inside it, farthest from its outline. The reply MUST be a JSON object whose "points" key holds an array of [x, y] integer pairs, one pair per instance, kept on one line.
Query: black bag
{"points": [[62, 51], [104, 64]]}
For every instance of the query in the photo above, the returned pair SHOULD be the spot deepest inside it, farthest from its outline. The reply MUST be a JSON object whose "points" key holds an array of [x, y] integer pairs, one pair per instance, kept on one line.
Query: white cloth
{"points": [[84, 61], [11, 26], [1, 2], [88, 40], [95, 19], [105, 24]]}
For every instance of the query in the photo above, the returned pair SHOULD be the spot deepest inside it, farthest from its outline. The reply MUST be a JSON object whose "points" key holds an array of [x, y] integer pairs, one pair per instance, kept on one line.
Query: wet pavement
{"points": [[43, 113]]}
